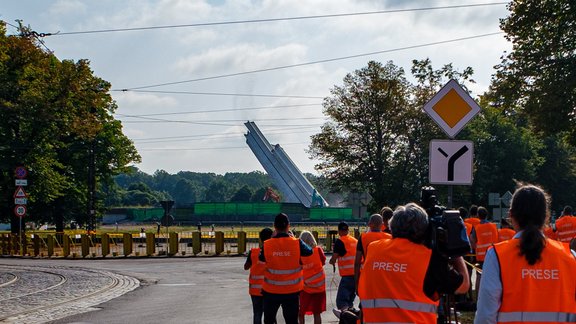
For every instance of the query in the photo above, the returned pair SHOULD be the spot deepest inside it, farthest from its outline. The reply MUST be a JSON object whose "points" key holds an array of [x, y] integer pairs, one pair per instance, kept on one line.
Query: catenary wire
{"points": [[276, 19], [219, 94], [313, 62], [225, 110]]}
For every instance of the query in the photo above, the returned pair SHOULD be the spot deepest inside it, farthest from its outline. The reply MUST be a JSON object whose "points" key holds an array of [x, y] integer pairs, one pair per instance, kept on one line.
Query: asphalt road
{"points": [[176, 290]]}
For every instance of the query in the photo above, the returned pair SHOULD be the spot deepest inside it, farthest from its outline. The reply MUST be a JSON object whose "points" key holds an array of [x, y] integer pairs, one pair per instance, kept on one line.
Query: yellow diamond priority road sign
{"points": [[452, 108]]}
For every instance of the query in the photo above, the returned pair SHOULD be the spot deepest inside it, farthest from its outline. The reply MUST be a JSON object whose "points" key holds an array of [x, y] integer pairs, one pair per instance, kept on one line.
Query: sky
{"points": [[184, 91]]}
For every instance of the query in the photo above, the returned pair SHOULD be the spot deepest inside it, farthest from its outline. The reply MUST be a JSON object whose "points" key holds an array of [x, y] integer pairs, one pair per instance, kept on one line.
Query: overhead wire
{"points": [[213, 136], [210, 148], [226, 110], [219, 94], [312, 62], [250, 21]]}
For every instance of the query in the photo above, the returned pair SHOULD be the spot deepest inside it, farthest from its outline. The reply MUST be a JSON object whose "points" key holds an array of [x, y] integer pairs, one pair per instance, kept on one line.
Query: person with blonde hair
{"points": [[313, 297]]}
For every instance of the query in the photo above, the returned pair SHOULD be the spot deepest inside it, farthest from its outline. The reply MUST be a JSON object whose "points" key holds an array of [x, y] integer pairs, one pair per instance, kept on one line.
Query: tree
{"points": [[56, 118], [537, 79], [242, 195], [184, 193], [216, 192]]}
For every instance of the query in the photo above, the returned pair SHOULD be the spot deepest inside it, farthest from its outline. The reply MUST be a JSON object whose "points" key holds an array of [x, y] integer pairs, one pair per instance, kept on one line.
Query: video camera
{"points": [[446, 230]]}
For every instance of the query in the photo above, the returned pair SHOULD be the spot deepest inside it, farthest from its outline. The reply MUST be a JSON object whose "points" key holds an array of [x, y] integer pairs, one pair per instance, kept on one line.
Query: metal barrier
{"points": [[111, 245]]}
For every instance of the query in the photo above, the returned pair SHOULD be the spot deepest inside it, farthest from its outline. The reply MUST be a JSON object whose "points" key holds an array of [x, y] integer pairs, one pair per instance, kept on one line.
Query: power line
{"points": [[220, 134], [216, 136], [235, 120], [313, 62], [218, 94], [234, 22], [225, 110], [152, 119], [211, 148]]}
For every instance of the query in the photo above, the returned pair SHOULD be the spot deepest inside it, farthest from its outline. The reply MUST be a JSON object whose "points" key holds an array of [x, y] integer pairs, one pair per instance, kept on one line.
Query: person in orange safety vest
{"points": [[531, 278], [283, 276], [506, 232], [256, 277], [313, 297], [566, 225], [374, 234], [402, 278], [345, 253]]}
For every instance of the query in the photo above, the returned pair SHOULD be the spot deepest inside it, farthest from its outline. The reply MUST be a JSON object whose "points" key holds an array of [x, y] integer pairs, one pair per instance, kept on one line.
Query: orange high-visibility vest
{"points": [[313, 272], [370, 237], [256, 277], [283, 273], [473, 221], [468, 229], [486, 235], [543, 292], [391, 285], [346, 262], [505, 234], [566, 228], [549, 233]]}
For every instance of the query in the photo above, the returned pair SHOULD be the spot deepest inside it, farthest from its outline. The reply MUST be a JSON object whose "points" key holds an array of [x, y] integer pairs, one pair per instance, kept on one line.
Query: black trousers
{"points": [[290, 306], [257, 308]]}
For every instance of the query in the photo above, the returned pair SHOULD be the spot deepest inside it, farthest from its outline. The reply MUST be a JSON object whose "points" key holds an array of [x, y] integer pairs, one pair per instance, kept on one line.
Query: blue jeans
{"points": [[346, 292]]}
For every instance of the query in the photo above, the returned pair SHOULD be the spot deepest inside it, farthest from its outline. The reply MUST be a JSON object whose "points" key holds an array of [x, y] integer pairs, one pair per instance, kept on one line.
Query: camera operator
{"points": [[403, 278]]}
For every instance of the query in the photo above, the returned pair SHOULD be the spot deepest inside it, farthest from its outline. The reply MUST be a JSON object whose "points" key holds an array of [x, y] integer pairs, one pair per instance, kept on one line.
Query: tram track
{"points": [[77, 290]]}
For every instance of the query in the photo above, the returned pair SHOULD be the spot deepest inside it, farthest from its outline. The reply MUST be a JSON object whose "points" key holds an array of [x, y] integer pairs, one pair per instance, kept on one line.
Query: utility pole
{"points": [[91, 188]]}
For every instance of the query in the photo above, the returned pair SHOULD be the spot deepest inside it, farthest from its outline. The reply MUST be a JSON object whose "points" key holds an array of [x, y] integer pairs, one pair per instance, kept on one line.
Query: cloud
{"points": [[139, 103], [241, 57], [66, 7]]}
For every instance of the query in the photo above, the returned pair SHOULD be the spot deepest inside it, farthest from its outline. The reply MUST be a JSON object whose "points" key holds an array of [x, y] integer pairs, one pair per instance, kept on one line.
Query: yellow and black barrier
{"points": [[74, 245]]}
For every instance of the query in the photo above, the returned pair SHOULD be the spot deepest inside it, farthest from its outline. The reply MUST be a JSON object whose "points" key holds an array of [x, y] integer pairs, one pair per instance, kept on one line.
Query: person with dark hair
{"points": [[283, 276], [345, 253], [529, 278], [386, 213], [403, 278], [506, 232], [374, 234], [566, 226], [256, 277], [483, 235], [473, 216]]}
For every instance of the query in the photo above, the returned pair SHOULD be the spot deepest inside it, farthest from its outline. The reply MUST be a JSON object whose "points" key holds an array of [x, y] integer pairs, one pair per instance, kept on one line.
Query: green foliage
{"points": [[535, 85], [186, 187], [242, 195], [537, 79], [52, 114]]}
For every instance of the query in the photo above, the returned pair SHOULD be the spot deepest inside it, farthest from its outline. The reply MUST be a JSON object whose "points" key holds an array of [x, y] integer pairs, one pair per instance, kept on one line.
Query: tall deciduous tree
{"points": [[53, 114], [537, 79]]}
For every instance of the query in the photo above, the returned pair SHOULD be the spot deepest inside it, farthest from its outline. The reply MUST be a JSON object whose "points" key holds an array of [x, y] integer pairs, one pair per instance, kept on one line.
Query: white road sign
{"points": [[21, 182], [451, 162], [20, 201]]}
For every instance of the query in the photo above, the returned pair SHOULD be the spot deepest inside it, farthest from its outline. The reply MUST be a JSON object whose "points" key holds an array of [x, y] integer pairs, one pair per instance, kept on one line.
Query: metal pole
{"points": [[21, 241], [450, 196]]}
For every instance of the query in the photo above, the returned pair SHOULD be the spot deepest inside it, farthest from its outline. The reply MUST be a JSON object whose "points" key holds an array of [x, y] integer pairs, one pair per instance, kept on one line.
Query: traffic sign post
{"points": [[451, 162]]}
